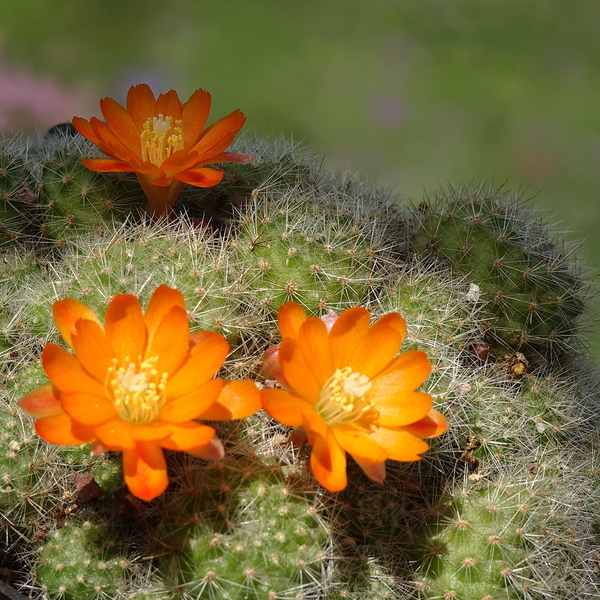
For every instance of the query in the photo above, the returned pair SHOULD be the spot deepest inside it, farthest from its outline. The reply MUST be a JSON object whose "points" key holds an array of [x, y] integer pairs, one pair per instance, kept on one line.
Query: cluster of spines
{"points": [[18, 193], [82, 560], [74, 200], [534, 290], [48, 196], [240, 528], [307, 248]]}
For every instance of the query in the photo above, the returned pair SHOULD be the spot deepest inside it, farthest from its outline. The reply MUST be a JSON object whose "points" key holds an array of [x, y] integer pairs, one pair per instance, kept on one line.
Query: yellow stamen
{"points": [[160, 139], [137, 391], [343, 397]]}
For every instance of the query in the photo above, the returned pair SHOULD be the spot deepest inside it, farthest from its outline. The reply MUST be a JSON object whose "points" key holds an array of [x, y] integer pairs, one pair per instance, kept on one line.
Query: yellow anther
{"points": [[161, 137], [137, 390], [343, 397]]}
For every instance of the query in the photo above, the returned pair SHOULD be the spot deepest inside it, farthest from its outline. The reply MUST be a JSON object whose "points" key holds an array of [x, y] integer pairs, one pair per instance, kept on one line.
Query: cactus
{"points": [[505, 505], [75, 200], [18, 193], [534, 289]]}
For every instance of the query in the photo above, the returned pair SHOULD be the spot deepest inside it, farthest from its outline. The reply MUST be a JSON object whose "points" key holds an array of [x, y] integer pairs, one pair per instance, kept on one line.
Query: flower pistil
{"points": [[342, 398], [160, 138], [138, 393]]}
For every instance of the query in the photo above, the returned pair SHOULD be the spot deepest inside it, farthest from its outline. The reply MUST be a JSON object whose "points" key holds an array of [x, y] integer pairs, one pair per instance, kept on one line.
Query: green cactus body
{"points": [[479, 546], [84, 560], [19, 270], [307, 250], [240, 528], [22, 491], [18, 193], [76, 200], [531, 284]]}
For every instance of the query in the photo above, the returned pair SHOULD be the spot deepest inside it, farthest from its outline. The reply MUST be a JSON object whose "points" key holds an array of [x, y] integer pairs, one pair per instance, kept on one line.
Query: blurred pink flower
{"points": [[29, 101]]}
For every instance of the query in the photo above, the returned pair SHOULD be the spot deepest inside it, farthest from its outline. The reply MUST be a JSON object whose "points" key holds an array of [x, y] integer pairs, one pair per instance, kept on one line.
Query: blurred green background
{"points": [[413, 94]]}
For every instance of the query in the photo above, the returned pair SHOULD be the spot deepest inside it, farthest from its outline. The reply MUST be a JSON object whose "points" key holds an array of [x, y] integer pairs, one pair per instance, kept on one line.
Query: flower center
{"points": [[342, 397], [160, 139], [138, 391]]}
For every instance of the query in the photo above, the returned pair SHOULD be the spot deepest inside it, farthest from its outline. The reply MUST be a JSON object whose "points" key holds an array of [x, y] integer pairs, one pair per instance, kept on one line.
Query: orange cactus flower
{"points": [[136, 385], [163, 142], [346, 386]]}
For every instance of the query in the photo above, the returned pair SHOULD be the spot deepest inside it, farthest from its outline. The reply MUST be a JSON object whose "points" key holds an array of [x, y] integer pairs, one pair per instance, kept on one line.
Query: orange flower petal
{"points": [[328, 463], [284, 406], [98, 128], [406, 373], [163, 300], [374, 471], [347, 337], [432, 425], [152, 173], [110, 143], [41, 403], [86, 409], [92, 348], [192, 405], [297, 372], [171, 341], [212, 451], [67, 312], [185, 436], [145, 471], [125, 328], [393, 320], [116, 435], [197, 337], [270, 367], [201, 177], [107, 142], [219, 135], [66, 373], [399, 444], [313, 425], [402, 408], [121, 124], [153, 432], [359, 444], [238, 399], [206, 358], [313, 340], [179, 161], [168, 105], [85, 129], [194, 115], [141, 104], [107, 165], [381, 345], [290, 317], [63, 431]]}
